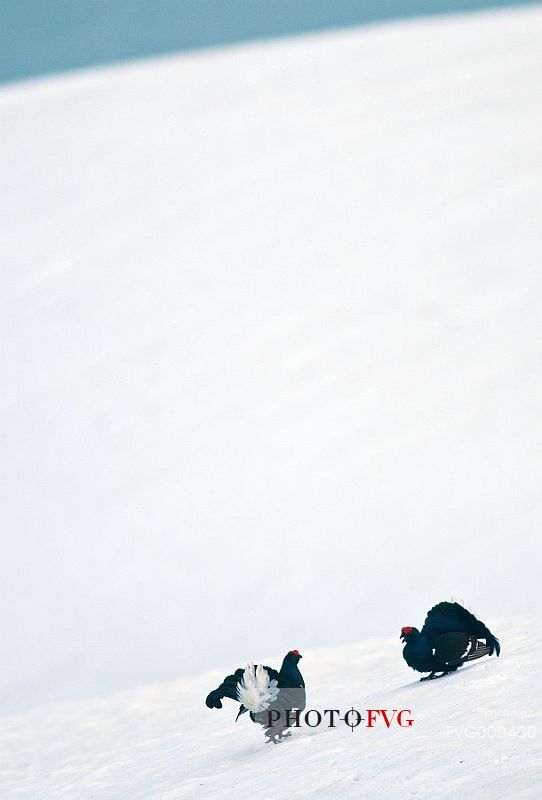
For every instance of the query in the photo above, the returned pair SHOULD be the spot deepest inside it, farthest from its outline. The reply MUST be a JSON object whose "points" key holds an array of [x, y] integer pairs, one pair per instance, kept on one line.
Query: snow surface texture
{"points": [[271, 330], [472, 736]]}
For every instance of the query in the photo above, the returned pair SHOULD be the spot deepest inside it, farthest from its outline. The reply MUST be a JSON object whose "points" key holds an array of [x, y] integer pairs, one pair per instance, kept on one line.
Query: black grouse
{"points": [[450, 636], [269, 696]]}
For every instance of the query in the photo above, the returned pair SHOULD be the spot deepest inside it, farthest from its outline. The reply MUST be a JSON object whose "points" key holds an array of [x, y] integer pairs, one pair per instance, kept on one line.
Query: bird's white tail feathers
{"points": [[255, 691]]}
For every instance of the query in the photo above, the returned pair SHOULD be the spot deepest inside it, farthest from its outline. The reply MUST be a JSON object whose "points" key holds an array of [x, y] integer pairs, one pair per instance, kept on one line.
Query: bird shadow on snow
{"points": [[458, 673]]}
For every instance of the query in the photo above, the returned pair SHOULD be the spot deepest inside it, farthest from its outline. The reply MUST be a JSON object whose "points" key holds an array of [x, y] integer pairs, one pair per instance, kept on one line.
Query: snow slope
{"points": [[475, 734], [270, 324]]}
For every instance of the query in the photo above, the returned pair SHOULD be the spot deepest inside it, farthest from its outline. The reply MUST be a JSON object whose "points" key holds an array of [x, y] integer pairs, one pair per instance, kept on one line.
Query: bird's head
{"points": [[407, 632], [293, 656]]}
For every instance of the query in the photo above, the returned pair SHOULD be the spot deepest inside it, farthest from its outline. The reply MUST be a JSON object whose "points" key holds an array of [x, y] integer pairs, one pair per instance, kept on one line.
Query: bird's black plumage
{"points": [[450, 636], [291, 696]]}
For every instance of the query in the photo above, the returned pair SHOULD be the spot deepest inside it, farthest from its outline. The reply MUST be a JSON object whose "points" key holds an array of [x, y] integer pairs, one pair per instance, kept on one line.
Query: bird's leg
{"points": [[433, 676], [277, 738]]}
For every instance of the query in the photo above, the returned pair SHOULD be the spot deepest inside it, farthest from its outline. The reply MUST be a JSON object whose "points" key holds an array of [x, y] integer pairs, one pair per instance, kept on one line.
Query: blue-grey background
{"points": [[43, 36]]}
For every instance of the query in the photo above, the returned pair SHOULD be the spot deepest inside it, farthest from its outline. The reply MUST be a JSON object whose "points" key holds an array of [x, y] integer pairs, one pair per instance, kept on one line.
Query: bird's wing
{"points": [[452, 648], [454, 618], [273, 673], [228, 688], [256, 689]]}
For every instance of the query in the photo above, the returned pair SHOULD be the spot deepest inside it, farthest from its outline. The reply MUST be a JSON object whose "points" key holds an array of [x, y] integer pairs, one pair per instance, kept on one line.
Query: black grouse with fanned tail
{"points": [[269, 696], [451, 636]]}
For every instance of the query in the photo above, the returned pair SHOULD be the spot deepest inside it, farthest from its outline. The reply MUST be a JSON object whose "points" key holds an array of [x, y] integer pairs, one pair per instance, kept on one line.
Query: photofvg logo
{"points": [[287, 710], [374, 718]]}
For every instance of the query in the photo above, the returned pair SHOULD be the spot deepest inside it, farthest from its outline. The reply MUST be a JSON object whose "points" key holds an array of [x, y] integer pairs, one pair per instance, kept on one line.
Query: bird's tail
{"points": [[477, 650], [494, 645], [255, 691]]}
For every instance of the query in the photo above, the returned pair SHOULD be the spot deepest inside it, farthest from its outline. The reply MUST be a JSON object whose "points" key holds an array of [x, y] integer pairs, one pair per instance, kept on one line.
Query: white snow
{"points": [[475, 734], [271, 380]]}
